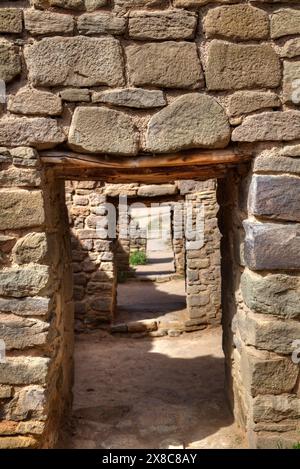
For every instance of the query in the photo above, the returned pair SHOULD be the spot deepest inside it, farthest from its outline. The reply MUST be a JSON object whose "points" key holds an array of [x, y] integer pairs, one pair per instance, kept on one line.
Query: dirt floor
{"points": [[165, 302], [150, 393]]}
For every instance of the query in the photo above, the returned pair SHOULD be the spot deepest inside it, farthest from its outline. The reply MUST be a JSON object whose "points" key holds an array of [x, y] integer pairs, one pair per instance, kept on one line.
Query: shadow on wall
{"points": [[133, 393]]}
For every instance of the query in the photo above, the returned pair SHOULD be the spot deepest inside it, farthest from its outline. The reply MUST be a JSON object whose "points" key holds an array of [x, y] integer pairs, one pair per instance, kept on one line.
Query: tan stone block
{"points": [[167, 64], [21, 209], [31, 248], [162, 25], [102, 130], [24, 370], [101, 23], [77, 61], [191, 121], [35, 102], [241, 22], [285, 22], [11, 20], [38, 22], [237, 66], [291, 82], [268, 126], [10, 62], [39, 132]]}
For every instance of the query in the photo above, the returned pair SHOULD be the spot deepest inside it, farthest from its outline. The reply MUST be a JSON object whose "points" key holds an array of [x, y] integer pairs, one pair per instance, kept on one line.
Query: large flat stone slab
{"points": [[162, 25], [38, 22], [20, 282], [10, 62], [277, 294], [131, 97], [21, 209], [270, 246], [275, 197], [76, 61], [38, 132], [102, 130], [191, 121], [167, 64], [237, 66], [269, 126]]}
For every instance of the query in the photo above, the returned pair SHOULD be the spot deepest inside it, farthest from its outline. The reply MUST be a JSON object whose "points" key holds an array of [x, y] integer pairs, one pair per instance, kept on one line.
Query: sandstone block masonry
{"points": [[123, 78]]}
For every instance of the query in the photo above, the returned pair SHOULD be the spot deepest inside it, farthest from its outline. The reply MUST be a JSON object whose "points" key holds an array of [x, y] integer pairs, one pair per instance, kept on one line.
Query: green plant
{"points": [[296, 445], [138, 258]]}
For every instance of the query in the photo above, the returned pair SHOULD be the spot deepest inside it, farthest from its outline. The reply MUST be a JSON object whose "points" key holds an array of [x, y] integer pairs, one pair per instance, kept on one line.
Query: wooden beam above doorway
{"points": [[192, 164]]}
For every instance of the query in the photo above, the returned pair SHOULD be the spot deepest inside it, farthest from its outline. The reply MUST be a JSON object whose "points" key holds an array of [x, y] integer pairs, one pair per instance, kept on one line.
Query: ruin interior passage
{"points": [[149, 365]]}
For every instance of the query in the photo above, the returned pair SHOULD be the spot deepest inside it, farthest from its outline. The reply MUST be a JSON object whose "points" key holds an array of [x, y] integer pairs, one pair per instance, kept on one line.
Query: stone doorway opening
{"points": [[171, 319]]}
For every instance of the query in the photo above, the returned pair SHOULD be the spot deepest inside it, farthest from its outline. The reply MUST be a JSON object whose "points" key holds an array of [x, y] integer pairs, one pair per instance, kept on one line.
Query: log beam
{"points": [[195, 164]]}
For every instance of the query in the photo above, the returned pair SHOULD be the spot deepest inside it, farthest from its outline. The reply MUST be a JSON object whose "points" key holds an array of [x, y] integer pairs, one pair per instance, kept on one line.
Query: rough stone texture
{"points": [[266, 373], [35, 102], [77, 61], [269, 126], [291, 49], [167, 64], [264, 333], [276, 408], [123, 5], [237, 66], [19, 177], [241, 22], [11, 20], [272, 246], [275, 197], [100, 23], [285, 22], [197, 3], [291, 89], [156, 190], [21, 209], [31, 248], [20, 333], [29, 402], [10, 63], [27, 281], [75, 95], [276, 163], [89, 5], [244, 102], [191, 121], [277, 294], [131, 97], [260, 314], [162, 25], [291, 150], [38, 132], [24, 370], [102, 130], [40, 22]]}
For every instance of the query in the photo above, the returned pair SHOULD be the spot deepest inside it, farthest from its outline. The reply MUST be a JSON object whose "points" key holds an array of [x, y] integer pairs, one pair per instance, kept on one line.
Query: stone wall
{"points": [[94, 270], [155, 76], [36, 306]]}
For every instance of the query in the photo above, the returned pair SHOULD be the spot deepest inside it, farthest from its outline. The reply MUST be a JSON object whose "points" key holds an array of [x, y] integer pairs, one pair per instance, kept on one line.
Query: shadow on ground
{"points": [[150, 393]]}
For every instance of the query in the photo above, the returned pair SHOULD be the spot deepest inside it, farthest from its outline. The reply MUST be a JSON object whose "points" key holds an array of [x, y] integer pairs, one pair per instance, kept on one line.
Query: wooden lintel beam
{"points": [[156, 175], [181, 159]]}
